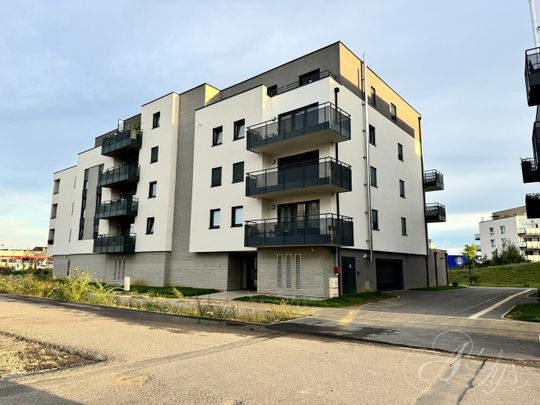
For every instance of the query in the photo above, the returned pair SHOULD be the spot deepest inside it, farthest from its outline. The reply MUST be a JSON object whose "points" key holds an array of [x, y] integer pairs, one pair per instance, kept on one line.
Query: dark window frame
{"points": [[271, 91], [236, 177], [156, 118], [373, 176], [236, 129], [375, 219], [150, 224], [152, 189], [373, 96], [393, 112], [212, 225], [233, 211], [216, 176], [154, 154], [400, 152], [217, 135], [372, 135], [402, 188], [403, 226]]}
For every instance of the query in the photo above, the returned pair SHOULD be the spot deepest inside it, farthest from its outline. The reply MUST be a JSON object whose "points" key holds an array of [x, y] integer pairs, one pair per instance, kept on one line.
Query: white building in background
{"points": [[510, 226], [275, 184]]}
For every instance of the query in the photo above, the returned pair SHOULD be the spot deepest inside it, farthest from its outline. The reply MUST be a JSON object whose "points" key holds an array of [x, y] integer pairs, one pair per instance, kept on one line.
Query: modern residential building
{"points": [[306, 180], [510, 226]]}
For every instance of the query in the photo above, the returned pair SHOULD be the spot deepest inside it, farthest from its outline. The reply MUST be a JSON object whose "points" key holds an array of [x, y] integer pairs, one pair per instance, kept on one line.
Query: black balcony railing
{"points": [[312, 78], [126, 173], [532, 75], [326, 173], [122, 143], [529, 171], [335, 123], [114, 244], [532, 204], [435, 212], [323, 229], [433, 180], [124, 207], [536, 140]]}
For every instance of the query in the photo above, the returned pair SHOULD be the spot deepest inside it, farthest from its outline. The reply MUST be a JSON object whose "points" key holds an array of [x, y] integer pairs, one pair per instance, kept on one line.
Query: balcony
{"points": [[118, 176], [528, 231], [121, 144], [114, 244], [122, 208], [306, 80], [533, 258], [529, 245], [476, 236], [325, 175], [323, 229], [532, 75], [317, 125], [435, 212], [532, 204], [433, 180], [536, 140], [529, 171]]}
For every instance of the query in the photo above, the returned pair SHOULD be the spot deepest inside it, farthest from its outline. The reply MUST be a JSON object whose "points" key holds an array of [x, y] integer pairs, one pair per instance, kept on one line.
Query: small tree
{"points": [[469, 251], [511, 254]]}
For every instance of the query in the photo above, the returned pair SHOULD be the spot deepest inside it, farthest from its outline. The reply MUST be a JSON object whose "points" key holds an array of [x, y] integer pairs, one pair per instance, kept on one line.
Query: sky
{"points": [[70, 69]]}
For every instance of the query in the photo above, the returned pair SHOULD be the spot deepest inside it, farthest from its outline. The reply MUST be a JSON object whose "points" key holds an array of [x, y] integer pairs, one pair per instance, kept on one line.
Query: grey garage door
{"points": [[389, 274]]}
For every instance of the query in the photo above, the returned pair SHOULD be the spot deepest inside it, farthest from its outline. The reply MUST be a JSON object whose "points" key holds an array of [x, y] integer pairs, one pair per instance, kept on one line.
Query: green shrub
{"points": [[455, 284]]}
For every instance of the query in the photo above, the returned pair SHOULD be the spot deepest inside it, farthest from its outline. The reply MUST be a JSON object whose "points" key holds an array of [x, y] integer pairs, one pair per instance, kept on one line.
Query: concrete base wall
{"points": [[437, 267]]}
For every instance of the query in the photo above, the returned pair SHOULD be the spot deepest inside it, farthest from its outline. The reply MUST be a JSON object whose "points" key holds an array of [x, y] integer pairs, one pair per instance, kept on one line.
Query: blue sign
{"points": [[456, 261]]}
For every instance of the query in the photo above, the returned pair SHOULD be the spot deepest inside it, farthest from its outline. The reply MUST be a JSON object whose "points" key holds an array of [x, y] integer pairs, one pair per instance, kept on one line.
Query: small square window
{"points": [[492, 242], [150, 225], [403, 226], [402, 188], [152, 189], [154, 154], [373, 176], [271, 90], [372, 138], [400, 151], [373, 96], [237, 216], [238, 172], [393, 112], [375, 220], [492, 231], [217, 136], [155, 120], [216, 177], [215, 218], [239, 130]]}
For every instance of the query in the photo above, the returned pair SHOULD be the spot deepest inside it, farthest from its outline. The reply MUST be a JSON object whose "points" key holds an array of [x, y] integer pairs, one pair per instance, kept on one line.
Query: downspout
{"points": [[338, 251], [423, 196], [365, 130]]}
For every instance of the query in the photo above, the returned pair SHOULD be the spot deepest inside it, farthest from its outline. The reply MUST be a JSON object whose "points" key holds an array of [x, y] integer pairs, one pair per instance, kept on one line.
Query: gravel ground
{"points": [[20, 356]]}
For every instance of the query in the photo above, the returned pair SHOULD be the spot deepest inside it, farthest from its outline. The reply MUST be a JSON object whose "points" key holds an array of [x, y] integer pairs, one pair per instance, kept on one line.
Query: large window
{"points": [[372, 138], [402, 188], [373, 176], [155, 120], [216, 177], [217, 136], [152, 189], [239, 129], [154, 154], [215, 218], [237, 216], [375, 220], [238, 172], [150, 225], [404, 226]]}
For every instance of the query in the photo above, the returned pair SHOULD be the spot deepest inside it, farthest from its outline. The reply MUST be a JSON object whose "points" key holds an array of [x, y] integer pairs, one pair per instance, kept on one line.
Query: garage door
{"points": [[389, 274]]}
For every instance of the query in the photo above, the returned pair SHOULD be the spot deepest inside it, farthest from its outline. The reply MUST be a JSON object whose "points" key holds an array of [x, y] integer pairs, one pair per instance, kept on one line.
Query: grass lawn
{"points": [[343, 301], [169, 293], [525, 312], [440, 288], [509, 275]]}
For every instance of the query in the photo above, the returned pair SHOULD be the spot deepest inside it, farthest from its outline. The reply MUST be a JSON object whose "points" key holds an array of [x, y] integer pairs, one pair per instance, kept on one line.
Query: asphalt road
{"points": [[464, 320], [152, 358]]}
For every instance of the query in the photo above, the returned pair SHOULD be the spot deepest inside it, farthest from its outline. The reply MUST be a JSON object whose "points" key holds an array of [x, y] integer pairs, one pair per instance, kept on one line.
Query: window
{"points": [[239, 130], [400, 151], [373, 96], [492, 242], [150, 225], [504, 241], [155, 120], [393, 112], [215, 217], [492, 231], [375, 220], [217, 136], [237, 216], [372, 139], [154, 154], [50, 241], [238, 172], [503, 229], [56, 186], [272, 90], [403, 226], [152, 189], [373, 176], [216, 177], [402, 188], [54, 210]]}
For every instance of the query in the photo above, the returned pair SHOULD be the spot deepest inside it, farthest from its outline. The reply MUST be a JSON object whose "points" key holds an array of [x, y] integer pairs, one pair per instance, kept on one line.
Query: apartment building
{"points": [[510, 226], [306, 180]]}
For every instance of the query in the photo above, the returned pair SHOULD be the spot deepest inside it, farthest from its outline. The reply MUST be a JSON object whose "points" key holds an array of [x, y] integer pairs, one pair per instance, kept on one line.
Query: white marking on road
{"points": [[498, 304]]}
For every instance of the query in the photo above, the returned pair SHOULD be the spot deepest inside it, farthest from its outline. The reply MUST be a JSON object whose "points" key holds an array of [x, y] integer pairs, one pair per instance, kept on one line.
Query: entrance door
{"points": [[348, 271], [251, 281], [389, 274]]}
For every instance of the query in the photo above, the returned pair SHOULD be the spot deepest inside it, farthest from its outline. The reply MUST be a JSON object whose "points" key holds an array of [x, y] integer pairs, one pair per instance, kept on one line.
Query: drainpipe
{"points": [[423, 195], [367, 178], [337, 256]]}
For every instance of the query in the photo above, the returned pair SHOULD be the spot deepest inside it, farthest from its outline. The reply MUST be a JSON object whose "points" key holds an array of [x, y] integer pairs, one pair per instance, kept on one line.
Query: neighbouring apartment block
{"points": [[306, 180], [510, 226]]}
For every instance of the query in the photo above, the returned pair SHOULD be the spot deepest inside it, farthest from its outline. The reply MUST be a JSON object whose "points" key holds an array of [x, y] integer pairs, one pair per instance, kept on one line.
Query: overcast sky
{"points": [[70, 69]]}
